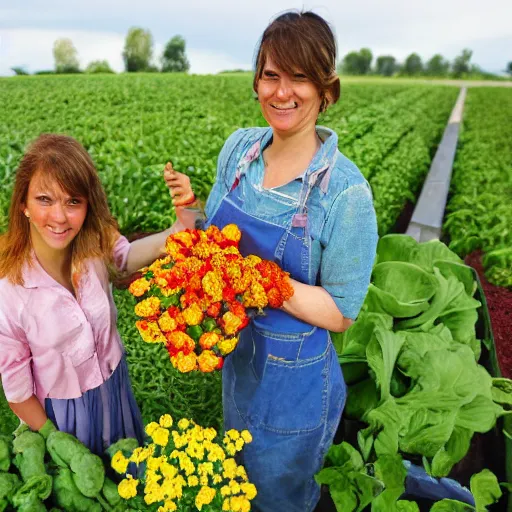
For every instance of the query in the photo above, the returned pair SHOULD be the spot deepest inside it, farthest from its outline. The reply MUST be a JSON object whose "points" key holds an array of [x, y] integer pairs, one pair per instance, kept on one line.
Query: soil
{"points": [[499, 302]]}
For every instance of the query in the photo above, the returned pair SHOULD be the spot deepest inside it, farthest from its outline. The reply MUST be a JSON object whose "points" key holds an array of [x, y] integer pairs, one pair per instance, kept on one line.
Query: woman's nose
{"points": [[284, 89], [58, 213]]}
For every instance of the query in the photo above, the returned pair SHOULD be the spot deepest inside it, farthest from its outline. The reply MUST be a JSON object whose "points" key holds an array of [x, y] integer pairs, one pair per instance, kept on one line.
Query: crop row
{"points": [[479, 210]]}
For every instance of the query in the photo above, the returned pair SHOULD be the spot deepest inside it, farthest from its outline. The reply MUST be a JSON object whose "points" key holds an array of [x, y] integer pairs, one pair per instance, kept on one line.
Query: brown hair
{"points": [[63, 160], [302, 41]]}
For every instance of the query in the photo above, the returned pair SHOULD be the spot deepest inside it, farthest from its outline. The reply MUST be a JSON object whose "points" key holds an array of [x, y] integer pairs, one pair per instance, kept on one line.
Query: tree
{"points": [[19, 70], [99, 66], [460, 64], [508, 69], [357, 63], [437, 65], [66, 56], [413, 65], [174, 58], [385, 65], [138, 49]]}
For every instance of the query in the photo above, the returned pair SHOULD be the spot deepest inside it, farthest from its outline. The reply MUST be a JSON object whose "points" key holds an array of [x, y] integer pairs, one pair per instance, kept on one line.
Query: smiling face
{"points": [[289, 102], [55, 217]]}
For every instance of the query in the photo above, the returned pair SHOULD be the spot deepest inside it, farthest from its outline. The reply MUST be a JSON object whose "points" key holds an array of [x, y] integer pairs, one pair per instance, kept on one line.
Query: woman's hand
{"points": [[179, 186]]}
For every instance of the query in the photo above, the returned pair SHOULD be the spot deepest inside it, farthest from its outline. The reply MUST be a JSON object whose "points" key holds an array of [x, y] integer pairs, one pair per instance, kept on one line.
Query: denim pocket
{"points": [[292, 396]]}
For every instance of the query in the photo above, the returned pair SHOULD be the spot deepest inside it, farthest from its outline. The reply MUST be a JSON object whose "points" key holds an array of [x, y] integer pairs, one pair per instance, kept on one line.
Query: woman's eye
{"points": [[43, 199], [74, 201]]}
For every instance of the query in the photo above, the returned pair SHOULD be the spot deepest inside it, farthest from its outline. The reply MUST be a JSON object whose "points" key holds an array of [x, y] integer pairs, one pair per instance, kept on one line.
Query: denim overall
{"points": [[283, 382]]}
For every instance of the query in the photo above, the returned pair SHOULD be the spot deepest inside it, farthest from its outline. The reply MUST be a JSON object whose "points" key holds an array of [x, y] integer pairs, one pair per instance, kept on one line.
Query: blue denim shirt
{"points": [[341, 217]]}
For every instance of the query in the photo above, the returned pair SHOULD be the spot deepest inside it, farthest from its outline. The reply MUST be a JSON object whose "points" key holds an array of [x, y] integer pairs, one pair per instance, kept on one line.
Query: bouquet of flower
{"points": [[195, 299], [184, 469]]}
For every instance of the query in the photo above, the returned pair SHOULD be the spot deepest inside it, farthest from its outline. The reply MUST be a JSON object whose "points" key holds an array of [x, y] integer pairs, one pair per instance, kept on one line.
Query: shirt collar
{"points": [[34, 275], [323, 160]]}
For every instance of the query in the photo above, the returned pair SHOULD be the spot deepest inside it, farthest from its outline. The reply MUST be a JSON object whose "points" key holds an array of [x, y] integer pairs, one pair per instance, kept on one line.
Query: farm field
{"points": [[133, 124]]}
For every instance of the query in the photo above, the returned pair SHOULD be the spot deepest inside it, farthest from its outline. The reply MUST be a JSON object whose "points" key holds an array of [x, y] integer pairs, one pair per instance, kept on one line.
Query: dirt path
{"points": [[457, 83]]}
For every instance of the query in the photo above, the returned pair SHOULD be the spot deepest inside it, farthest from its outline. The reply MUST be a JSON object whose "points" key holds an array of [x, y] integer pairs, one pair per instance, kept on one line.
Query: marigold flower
{"points": [[150, 332], [214, 234], [148, 307], [252, 260], [160, 436], [205, 249], [181, 341], [166, 323], [213, 285], [229, 466], [209, 340], [183, 424], [207, 361], [193, 315], [204, 497], [246, 436], [127, 488], [184, 237], [139, 287], [227, 345], [140, 455], [233, 434], [175, 250], [119, 462], [249, 490], [231, 232], [231, 323], [255, 297], [286, 288], [184, 363], [168, 506], [192, 481], [214, 309], [275, 299], [165, 421]]}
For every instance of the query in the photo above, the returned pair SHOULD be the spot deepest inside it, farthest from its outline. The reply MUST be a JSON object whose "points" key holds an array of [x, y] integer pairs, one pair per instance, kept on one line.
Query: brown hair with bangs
{"points": [[58, 159], [302, 41]]}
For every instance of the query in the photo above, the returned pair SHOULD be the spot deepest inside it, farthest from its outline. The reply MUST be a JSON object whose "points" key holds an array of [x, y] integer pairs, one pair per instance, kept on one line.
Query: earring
{"points": [[27, 214]]}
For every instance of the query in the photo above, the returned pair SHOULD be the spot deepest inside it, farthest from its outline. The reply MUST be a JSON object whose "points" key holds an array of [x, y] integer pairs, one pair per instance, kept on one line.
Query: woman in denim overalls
{"points": [[299, 202]]}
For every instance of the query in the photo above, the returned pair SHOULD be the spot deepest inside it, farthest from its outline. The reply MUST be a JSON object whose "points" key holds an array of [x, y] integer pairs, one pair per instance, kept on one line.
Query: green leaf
{"points": [[451, 506], [485, 489], [455, 449], [390, 470]]}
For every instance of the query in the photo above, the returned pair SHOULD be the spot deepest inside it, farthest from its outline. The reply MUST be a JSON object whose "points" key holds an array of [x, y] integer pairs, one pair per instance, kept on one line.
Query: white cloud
{"points": [[205, 61]]}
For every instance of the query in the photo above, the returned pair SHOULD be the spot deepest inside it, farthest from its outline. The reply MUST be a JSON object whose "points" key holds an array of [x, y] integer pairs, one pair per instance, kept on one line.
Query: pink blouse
{"points": [[53, 345]]}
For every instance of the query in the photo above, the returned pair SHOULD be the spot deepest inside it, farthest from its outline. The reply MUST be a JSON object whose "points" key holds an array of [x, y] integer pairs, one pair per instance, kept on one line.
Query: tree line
{"points": [[360, 63], [137, 56]]}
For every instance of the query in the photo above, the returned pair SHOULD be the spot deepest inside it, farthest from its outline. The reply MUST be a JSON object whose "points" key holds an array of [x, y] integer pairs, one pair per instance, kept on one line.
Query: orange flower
{"points": [[231, 232], [204, 250], [184, 362], [193, 315], [181, 341], [214, 309], [209, 340], [286, 288], [214, 234], [241, 285], [207, 361], [174, 249], [252, 260], [185, 238], [139, 287], [275, 299]]}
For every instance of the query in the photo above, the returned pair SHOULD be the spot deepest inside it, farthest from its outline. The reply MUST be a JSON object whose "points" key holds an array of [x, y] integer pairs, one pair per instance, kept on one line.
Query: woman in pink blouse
{"points": [[61, 357]]}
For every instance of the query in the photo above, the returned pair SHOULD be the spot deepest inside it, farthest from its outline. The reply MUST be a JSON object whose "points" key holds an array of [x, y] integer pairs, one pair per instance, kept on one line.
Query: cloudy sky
{"points": [[222, 34]]}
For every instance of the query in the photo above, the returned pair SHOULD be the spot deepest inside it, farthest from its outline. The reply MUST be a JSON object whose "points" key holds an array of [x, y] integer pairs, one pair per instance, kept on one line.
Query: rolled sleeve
{"points": [[121, 250], [15, 365], [350, 241]]}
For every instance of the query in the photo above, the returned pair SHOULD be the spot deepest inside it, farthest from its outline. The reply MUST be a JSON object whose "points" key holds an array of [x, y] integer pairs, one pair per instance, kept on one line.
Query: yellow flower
{"points": [[239, 444], [183, 424], [184, 237], [148, 307], [225, 505], [150, 332], [229, 466], [210, 434], [207, 361], [232, 322], [203, 480], [140, 454], [225, 490], [204, 496], [249, 490], [151, 427], [160, 436], [181, 341], [119, 462], [173, 249], [231, 232], [227, 345], [168, 470], [246, 436], [205, 249], [166, 323], [205, 468], [241, 473], [233, 434], [153, 463], [193, 481], [235, 486], [193, 315], [127, 488], [166, 421], [255, 297], [139, 287], [185, 363], [230, 449], [252, 260], [168, 506], [213, 285]]}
